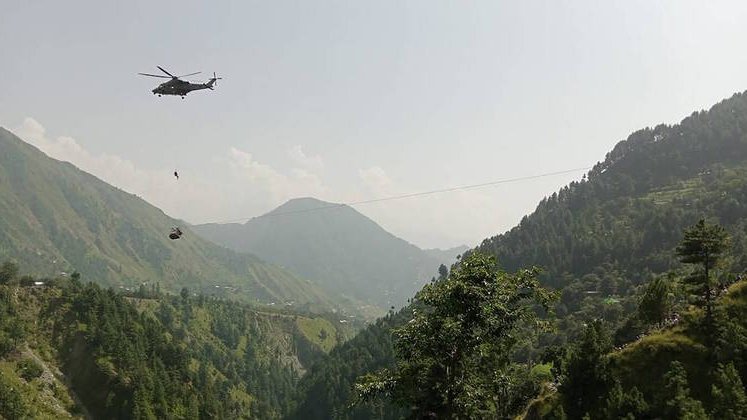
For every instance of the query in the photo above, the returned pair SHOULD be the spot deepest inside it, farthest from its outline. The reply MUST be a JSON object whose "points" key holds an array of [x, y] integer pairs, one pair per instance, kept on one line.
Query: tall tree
{"points": [[443, 272], [625, 405], [729, 399], [8, 272], [704, 245], [656, 302], [586, 377], [453, 356], [680, 404]]}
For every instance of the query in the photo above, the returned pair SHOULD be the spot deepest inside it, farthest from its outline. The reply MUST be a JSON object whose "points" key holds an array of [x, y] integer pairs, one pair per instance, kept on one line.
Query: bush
{"points": [[11, 403], [29, 369], [6, 344], [541, 372], [26, 281], [8, 272]]}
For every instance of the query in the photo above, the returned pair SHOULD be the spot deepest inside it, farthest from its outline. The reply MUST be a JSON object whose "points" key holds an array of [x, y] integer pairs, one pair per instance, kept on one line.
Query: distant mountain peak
{"points": [[306, 200], [336, 247], [305, 203]]}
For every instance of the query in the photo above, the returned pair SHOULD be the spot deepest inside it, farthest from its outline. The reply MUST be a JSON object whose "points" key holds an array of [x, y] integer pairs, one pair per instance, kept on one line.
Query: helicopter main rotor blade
{"points": [[172, 76], [190, 74], [154, 75]]}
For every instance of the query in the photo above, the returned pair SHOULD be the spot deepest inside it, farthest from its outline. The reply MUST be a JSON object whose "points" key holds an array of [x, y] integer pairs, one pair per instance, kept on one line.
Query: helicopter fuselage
{"points": [[177, 86], [180, 87]]}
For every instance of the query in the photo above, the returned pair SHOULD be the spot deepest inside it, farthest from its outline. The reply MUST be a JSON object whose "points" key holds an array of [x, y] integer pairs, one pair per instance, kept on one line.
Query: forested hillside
{"points": [[629, 212], [57, 219], [326, 390], [603, 239], [147, 355], [689, 367], [336, 248]]}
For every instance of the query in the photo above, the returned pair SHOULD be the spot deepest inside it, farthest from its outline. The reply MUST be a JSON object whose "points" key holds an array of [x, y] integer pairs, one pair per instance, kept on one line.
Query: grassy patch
{"points": [[542, 371], [547, 403], [644, 363], [42, 399], [144, 305], [241, 347], [240, 400], [319, 331], [679, 190]]}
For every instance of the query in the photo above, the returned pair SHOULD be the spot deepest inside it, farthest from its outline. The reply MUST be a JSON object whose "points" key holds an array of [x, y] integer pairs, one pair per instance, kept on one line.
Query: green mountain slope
{"points": [[55, 218], [644, 366], [631, 209], [600, 239], [74, 350], [336, 248]]}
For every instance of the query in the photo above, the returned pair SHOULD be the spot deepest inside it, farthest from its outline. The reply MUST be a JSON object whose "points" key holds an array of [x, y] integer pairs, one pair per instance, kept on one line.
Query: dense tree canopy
{"points": [[453, 355], [147, 355]]}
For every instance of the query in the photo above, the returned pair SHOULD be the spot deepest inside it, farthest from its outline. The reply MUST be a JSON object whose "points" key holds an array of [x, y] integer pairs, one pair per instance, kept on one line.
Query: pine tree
{"points": [[704, 245], [8, 272], [142, 409], [656, 302], [625, 405], [443, 272], [586, 376], [729, 399], [680, 405]]}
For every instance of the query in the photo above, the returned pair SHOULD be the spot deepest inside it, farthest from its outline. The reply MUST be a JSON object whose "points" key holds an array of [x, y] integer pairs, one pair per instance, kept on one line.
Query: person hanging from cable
{"points": [[176, 233], [176, 174]]}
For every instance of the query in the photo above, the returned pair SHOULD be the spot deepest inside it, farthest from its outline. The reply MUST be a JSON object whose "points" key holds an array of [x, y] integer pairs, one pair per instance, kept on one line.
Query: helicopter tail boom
{"points": [[211, 82]]}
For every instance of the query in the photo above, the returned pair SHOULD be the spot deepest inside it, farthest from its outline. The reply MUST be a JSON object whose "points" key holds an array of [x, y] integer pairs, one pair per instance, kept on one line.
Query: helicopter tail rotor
{"points": [[213, 81]]}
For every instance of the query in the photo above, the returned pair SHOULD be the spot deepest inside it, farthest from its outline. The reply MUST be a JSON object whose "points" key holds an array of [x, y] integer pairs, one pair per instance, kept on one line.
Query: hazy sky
{"points": [[352, 100]]}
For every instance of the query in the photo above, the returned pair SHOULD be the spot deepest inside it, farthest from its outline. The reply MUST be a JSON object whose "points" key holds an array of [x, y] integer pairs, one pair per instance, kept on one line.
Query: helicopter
{"points": [[179, 87]]}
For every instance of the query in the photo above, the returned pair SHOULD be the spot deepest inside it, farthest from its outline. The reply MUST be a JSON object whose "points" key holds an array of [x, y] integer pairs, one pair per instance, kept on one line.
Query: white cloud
{"points": [[191, 200], [110, 168], [375, 178], [30, 130], [235, 184], [309, 179], [279, 186], [245, 187], [311, 163], [244, 164]]}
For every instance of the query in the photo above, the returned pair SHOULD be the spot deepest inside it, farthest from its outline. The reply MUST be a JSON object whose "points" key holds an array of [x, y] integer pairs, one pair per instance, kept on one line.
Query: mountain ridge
{"points": [[59, 219], [336, 247]]}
